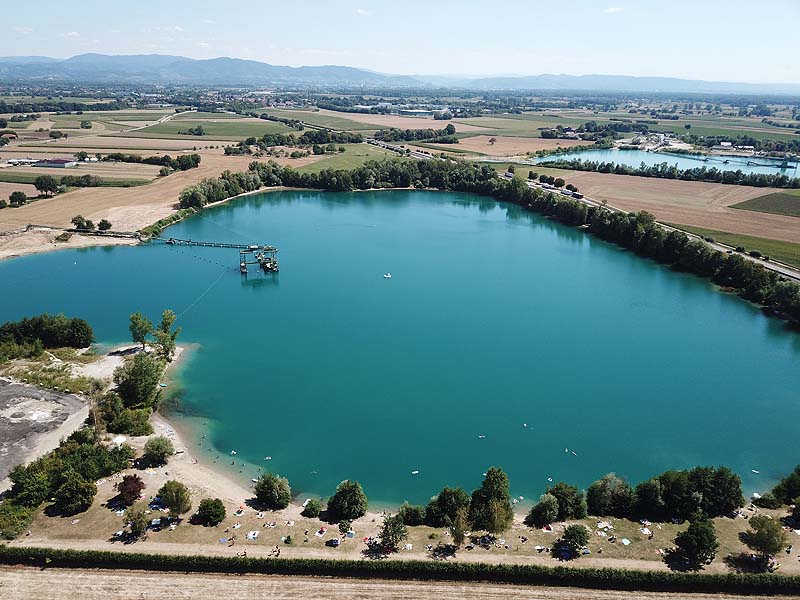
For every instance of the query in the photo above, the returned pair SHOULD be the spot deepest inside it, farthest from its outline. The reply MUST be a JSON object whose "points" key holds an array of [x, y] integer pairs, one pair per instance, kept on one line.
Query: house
{"points": [[57, 163]]}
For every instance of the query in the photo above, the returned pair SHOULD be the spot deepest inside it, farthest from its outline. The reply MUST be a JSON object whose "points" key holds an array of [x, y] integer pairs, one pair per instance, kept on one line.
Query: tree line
{"points": [[308, 138], [182, 162], [409, 135], [666, 171], [61, 106], [29, 337]]}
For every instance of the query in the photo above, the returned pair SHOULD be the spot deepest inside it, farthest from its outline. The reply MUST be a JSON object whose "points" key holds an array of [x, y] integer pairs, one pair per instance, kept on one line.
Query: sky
{"points": [[715, 40]]}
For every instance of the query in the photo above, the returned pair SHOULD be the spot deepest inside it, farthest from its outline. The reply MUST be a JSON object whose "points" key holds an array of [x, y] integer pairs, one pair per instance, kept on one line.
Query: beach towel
{"points": [[625, 542]]}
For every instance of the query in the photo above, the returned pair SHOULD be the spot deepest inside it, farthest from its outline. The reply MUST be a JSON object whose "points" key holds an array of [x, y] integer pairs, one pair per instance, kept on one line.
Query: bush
{"points": [[349, 502], [157, 450], [345, 526], [768, 500], [788, 488], [312, 508], [412, 515], [14, 519], [273, 491], [104, 225], [211, 512]]}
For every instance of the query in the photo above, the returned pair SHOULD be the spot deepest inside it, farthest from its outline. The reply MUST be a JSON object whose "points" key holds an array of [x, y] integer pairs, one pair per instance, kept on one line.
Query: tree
{"points": [[442, 509], [140, 328], [273, 491], [796, 511], [392, 532], [559, 182], [86, 124], [211, 512], [610, 496], [312, 508], [137, 521], [788, 487], [165, 337], [17, 198], [81, 223], [571, 502], [412, 515], [349, 502], [130, 488], [75, 494], [490, 508], [31, 485], [345, 526], [459, 526], [688, 126], [81, 156], [56, 134], [175, 496], [104, 225], [543, 512], [698, 543], [137, 381], [766, 536], [157, 450], [492, 141], [574, 538], [46, 184]]}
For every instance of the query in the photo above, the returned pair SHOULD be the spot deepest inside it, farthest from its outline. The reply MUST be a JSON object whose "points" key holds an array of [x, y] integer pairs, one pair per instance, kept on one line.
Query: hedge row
{"points": [[605, 578], [156, 228]]}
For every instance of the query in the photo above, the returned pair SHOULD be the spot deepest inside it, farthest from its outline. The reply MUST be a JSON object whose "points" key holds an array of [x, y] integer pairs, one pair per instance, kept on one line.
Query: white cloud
{"points": [[362, 11], [23, 30], [209, 21], [613, 10], [72, 34]]}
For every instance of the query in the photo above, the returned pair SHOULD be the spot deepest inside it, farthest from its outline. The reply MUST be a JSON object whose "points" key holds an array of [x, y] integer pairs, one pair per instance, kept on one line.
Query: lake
{"points": [[495, 323], [634, 158]]}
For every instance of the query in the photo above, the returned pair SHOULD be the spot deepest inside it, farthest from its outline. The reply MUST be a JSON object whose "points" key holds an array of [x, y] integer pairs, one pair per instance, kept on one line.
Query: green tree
{"points": [[459, 525], [17, 198], [543, 512], [788, 487], [137, 521], [312, 508], [137, 381], [572, 541], [175, 496], [393, 531], [104, 225], [130, 488], [31, 485], [273, 491], [165, 335], [490, 507], [766, 536], [46, 184], [157, 450], [412, 515], [81, 223], [349, 502], [75, 494], [610, 495], [211, 512], [345, 526], [81, 156], [571, 502], [442, 509], [698, 544], [140, 327], [86, 124]]}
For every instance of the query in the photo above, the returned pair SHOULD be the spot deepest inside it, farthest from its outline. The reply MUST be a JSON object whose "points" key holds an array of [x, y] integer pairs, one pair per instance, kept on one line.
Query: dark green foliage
{"points": [[679, 494], [392, 532], [345, 526], [569, 545], [137, 521], [543, 512], [14, 519], [273, 491], [104, 225], [610, 496], [130, 488], [53, 331], [137, 381], [442, 509], [17, 198], [349, 502], [31, 486], [766, 536], [182, 162], [46, 184], [698, 544], [82, 224], [175, 496], [211, 511], [490, 507], [157, 450], [412, 515], [788, 488], [312, 508], [768, 500], [571, 502], [75, 494], [409, 135], [601, 578]]}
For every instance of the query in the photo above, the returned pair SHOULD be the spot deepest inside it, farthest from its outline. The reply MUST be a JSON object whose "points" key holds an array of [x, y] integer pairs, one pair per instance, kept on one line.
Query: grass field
{"points": [[17, 177], [229, 129], [779, 203], [322, 119], [354, 156], [787, 252]]}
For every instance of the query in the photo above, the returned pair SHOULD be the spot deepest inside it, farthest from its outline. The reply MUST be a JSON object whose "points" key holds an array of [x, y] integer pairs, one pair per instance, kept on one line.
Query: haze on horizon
{"points": [[713, 40]]}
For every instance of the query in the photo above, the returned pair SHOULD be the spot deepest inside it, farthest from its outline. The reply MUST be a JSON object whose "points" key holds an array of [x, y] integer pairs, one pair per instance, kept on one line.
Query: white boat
{"points": [[233, 452], [387, 276], [415, 472], [756, 472]]}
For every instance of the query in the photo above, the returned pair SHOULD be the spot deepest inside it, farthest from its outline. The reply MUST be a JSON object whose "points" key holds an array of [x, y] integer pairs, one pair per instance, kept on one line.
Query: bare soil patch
{"points": [[706, 205], [21, 583], [7, 188]]}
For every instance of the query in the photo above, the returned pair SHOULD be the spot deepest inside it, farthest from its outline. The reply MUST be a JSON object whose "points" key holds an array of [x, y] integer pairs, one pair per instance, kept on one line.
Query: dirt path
{"points": [[32, 584]]}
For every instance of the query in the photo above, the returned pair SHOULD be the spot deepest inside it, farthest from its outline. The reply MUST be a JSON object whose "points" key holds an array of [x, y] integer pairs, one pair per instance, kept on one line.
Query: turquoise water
{"points": [[493, 319], [634, 158]]}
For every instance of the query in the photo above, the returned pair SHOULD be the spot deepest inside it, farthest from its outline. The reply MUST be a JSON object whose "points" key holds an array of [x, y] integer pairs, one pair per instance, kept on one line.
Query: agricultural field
{"points": [[354, 156], [503, 145], [785, 202], [787, 252], [322, 119], [223, 129]]}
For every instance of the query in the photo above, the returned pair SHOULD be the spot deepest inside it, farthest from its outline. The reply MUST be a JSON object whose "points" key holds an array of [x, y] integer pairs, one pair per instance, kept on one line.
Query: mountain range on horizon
{"points": [[224, 71]]}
